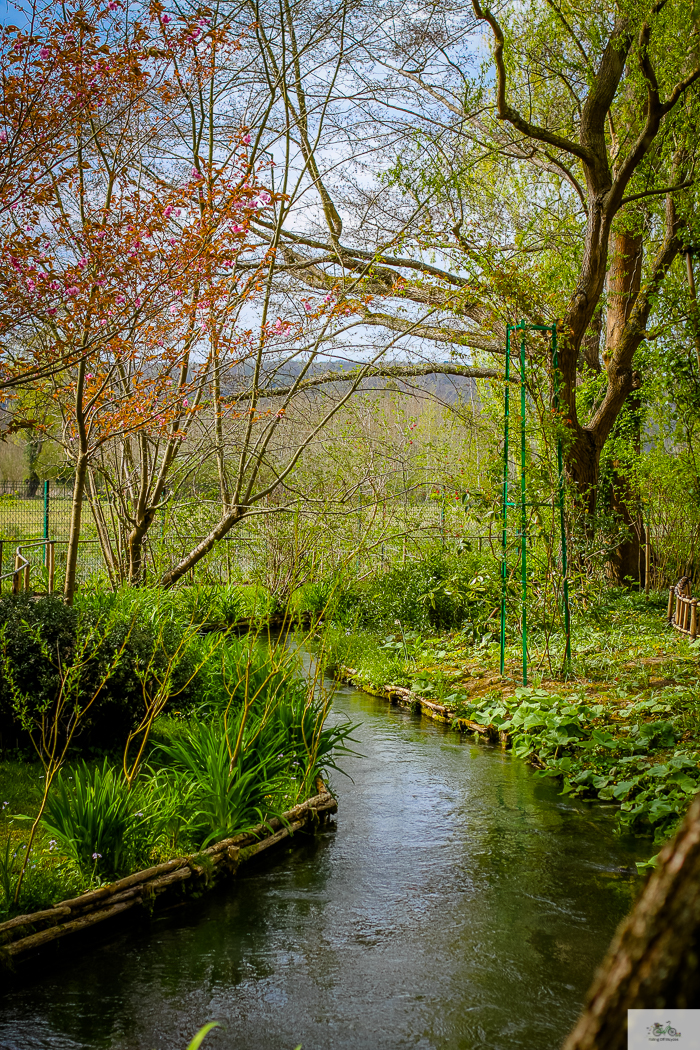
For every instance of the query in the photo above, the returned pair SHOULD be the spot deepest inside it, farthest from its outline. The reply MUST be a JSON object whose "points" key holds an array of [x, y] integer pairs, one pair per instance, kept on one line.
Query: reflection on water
{"points": [[460, 903]]}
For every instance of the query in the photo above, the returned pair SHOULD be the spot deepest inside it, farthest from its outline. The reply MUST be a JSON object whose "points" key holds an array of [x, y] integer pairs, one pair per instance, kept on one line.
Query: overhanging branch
{"points": [[353, 375]]}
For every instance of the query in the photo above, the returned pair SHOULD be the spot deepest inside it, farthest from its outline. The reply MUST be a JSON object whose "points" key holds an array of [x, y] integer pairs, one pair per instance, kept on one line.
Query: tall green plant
{"points": [[229, 796], [91, 813]]}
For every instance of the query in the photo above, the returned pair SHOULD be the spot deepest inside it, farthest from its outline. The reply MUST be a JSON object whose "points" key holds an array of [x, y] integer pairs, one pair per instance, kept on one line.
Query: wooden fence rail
{"points": [[683, 608]]}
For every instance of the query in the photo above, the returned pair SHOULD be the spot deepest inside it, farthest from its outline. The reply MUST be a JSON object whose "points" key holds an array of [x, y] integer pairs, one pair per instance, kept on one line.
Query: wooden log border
{"points": [[682, 612], [396, 694], [27, 934]]}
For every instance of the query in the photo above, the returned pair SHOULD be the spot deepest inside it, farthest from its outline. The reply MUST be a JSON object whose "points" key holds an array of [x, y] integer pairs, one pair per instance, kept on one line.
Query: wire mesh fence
{"points": [[263, 549]]}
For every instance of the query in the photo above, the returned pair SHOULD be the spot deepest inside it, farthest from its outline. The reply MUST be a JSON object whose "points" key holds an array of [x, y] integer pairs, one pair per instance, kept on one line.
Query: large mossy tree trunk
{"points": [[654, 959]]}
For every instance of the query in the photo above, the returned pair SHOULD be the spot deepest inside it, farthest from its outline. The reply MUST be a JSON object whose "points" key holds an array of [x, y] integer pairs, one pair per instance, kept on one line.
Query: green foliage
{"points": [[10, 863], [201, 1035], [42, 637], [596, 755], [226, 795], [90, 812], [438, 592]]}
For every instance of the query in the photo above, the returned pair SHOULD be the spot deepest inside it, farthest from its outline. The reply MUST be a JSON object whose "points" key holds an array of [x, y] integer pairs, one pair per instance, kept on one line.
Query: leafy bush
{"points": [[39, 636], [228, 796], [439, 592], [284, 745]]}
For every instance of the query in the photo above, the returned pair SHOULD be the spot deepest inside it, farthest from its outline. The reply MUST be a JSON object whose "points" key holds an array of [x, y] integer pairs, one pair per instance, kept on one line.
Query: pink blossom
{"points": [[278, 325], [112, 5], [328, 298], [54, 286], [185, 402], [196, 174], [100, 234], [82, 263], [103, 323], [165, 19], [237, 229], [90, 375], [44, 53], [168, 211], [30, 284], [120, 299], [173, 309], [73, 290], [51, 311], [247, 139], [137, 302]]}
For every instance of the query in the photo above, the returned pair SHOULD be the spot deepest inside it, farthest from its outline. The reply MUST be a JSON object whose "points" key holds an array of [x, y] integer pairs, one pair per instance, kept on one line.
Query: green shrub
{"points": [[439, 593], [38, 633], [228, 797]]}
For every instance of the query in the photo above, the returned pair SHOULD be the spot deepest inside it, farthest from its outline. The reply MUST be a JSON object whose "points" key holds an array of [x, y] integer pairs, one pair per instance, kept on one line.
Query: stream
{"points": [[458, 901]]}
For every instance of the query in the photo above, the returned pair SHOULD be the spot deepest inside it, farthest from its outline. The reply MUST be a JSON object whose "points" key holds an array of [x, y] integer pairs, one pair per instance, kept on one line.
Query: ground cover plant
{"points": [[623, 727]]}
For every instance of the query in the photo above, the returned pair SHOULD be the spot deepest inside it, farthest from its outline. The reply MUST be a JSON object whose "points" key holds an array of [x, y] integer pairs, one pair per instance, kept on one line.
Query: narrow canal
{"points": [[460, 902]]}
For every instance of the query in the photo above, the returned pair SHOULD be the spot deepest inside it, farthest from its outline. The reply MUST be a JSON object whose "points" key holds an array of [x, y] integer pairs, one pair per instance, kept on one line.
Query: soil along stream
{"points": [[460, 903]]}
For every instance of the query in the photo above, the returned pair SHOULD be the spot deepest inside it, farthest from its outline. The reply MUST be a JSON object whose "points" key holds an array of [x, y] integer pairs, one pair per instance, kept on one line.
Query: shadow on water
{"points": [[459, 903]]}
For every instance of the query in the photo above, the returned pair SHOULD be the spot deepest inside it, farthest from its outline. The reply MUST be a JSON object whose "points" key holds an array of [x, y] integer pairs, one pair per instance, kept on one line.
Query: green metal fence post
{"points": [[523, 505], [560, 486], [505, 500], [46, 521]]}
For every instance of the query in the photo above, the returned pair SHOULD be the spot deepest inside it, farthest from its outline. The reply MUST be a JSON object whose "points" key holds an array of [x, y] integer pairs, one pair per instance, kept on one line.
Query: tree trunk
{"points": [[624, 280], [654, 959], [81, 466], [136, 538], [623, 283], [626, 562], [203, 548]]}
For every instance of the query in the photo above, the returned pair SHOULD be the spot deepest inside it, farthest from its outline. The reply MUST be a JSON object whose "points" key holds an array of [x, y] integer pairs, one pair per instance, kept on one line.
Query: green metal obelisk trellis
{"points": [[523, 329]]}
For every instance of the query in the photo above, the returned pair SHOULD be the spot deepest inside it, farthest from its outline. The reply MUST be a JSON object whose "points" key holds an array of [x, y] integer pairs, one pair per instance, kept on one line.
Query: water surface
{"points": [[459, 902]]}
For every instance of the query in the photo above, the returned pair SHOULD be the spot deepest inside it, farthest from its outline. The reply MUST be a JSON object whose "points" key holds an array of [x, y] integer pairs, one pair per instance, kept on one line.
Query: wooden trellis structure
{"points": [[683, 608]]}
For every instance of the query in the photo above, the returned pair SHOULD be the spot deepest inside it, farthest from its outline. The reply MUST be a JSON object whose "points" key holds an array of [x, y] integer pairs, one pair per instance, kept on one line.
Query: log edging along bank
{"points": [[396, 694], [25, 935]]}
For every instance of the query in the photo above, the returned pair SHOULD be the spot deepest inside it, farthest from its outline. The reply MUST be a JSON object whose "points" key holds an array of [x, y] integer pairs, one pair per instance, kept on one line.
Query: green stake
{"points": [[46, 522], [560, 485], [523, 505], [505, 501]]}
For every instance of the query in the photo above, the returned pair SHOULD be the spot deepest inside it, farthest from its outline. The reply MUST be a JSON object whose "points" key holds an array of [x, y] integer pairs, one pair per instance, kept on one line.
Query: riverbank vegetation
{"points": [[131, 739], [622, 726]]}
